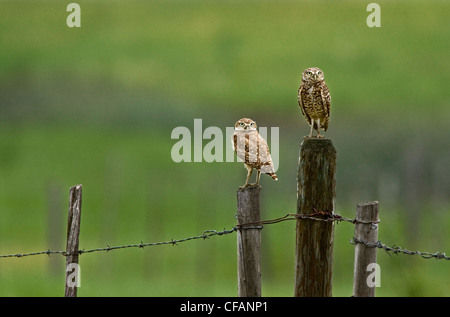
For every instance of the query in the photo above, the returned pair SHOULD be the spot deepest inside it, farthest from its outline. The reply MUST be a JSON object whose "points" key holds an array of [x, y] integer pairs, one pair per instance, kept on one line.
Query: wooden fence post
{"points": [[316, 186], [72, 247], [366, 229], [249, 242]]}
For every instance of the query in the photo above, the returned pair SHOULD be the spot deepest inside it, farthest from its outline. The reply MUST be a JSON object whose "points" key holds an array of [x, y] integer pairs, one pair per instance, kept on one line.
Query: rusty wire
{"points": [[316, 216]]}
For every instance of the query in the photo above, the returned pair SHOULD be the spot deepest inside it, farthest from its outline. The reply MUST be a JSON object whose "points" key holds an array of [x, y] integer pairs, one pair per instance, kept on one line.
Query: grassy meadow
{"points": [[96, 106]]}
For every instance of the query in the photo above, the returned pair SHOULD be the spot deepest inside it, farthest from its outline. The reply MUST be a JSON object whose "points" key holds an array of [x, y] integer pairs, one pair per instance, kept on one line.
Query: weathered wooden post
{"points": [[72, 247], [316, 191], [249, 242], [366, 230]]}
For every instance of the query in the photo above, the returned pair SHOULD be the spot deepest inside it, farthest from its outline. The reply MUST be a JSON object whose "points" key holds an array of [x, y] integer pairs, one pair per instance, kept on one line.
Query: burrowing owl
{"points": [[252, 149], [314, 100]]}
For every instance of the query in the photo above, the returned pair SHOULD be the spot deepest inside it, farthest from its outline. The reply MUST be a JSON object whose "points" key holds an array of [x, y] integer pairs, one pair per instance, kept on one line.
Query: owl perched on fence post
{"points": [[252, 149], [314, 100]]}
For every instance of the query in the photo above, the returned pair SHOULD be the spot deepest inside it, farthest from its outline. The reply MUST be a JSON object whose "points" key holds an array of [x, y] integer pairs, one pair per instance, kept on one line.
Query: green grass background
{"points": [[96, 105]]}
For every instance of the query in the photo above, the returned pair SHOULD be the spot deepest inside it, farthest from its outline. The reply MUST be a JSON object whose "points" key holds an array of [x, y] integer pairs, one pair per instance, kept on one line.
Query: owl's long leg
{"points": [[312, 126], [257, 179], [249, 173], [318, 129]]}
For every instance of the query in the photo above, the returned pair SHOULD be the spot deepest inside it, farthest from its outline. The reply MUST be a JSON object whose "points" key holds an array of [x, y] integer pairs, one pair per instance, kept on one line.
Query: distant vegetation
{"points": [[96, 105]]}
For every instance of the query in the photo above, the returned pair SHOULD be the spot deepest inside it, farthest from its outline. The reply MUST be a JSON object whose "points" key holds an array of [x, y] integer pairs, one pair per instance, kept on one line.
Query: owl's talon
{"points": [[255, 184]]}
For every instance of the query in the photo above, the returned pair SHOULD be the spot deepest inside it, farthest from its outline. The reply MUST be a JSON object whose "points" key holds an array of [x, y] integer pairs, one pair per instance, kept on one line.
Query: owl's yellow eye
{"points": [[308, 73], [241, 124], [252, 124], [318, 73]]}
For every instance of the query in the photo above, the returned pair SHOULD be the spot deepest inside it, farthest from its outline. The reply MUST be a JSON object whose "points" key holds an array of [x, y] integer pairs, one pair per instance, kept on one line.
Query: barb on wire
{"points": [[396, 250]]}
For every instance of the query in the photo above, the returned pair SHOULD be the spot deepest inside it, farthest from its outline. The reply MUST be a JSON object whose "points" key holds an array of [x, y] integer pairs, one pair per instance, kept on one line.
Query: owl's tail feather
{"points": [[273, 175]]}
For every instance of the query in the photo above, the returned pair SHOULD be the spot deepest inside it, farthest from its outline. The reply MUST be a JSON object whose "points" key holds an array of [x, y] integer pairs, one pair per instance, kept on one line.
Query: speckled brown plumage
{"points": [[314, 100], [251, 148]]}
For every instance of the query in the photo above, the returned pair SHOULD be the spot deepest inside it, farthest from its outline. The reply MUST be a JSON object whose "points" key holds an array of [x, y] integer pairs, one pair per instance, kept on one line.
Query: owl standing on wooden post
{"points": [[314, 100], [251, 147]]}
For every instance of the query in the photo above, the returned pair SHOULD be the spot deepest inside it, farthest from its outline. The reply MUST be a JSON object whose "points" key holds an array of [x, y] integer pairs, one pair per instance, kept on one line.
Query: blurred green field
{"points": [[96, 106]]}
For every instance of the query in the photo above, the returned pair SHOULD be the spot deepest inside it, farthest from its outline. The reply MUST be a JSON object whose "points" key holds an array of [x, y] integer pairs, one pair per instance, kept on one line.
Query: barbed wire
{"points": [[396, 250], [206, 234], [21, 255], [316, 216]]}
